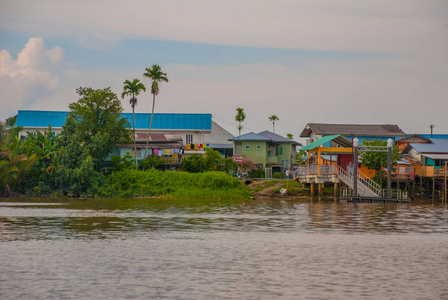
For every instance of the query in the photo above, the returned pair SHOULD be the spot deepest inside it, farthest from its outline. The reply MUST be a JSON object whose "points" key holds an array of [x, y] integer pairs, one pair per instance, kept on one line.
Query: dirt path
{"points": [[268, 190], [268, 194]]}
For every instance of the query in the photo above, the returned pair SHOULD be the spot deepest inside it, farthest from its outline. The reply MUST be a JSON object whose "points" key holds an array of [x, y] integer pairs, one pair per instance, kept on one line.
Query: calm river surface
{"points": [[221, 249]]}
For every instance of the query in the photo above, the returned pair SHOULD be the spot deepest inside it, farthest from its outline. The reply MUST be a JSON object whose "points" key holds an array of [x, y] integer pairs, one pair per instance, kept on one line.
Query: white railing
{"points": [[362, 184], [375, 187], [314, 170]]}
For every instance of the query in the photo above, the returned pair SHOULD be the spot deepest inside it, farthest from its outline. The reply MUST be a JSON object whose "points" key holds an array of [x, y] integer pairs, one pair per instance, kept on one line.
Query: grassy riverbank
{"points": [[153, 183]]}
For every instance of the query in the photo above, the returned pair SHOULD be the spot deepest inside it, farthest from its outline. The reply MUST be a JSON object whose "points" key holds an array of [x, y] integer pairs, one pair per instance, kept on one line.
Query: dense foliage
{"points": [[15, 166], [378, 160], [72, 163], [135, 183], [213, 161]]}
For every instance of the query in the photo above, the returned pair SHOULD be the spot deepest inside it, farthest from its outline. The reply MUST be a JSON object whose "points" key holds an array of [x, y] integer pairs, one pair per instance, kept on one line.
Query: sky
{"points": [[308, 61]]}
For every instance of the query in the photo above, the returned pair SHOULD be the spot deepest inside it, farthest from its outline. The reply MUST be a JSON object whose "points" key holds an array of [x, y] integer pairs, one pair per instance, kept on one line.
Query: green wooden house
{"points": [[266, 148]]}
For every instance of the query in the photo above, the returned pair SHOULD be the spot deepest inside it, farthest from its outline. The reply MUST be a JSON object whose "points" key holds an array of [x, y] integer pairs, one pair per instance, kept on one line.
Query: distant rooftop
{"points": [[435, 146], [161, 121], [266, 135], [381, 130]]}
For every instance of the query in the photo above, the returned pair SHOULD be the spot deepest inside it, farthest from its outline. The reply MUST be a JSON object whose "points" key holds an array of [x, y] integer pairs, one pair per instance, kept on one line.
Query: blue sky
{"points": [[307, 61]]}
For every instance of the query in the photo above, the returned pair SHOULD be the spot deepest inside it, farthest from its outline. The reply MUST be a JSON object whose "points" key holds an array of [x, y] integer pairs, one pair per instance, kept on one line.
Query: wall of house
{"points": [[249, 149], [218, 135], [22, 134]]}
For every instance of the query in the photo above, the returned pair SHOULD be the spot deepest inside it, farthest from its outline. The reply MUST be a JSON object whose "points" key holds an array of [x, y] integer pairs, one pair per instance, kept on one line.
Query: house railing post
{"points": [[355, 166]]}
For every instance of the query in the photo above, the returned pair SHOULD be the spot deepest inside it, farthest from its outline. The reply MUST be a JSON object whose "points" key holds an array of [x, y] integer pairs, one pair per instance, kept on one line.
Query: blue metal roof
{"points": [[435, 135], [40, 118], [162, 121], [437, 146], [172, 121]]}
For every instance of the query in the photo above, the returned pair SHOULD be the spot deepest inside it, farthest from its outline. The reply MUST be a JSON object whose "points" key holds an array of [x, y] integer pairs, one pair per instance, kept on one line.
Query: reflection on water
{"points": [[107, 218], [202, 249]]}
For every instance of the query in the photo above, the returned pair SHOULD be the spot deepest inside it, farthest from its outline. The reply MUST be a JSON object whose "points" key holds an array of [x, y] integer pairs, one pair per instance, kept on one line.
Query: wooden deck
{"points": [[373, 200]]}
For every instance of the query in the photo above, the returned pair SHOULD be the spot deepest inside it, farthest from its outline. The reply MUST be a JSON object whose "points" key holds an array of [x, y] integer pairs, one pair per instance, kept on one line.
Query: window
{"points": [[247, 147], [258, 147], [189, 139], [278, 151]]}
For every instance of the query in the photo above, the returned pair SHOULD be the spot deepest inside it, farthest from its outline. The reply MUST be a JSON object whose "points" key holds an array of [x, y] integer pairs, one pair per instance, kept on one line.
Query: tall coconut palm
{"points": [[240, 117], [273, 118], [156, 75], [133, 88]]}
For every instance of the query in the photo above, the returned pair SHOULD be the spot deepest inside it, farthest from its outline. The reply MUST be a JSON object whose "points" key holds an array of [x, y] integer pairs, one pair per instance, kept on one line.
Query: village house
{"points": [[173, 135], [330, 154], [267, 149], [428, 159]]}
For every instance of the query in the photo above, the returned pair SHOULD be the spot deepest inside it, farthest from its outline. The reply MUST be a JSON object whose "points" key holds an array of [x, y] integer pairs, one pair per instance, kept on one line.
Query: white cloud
{"points": [[25, 80]]}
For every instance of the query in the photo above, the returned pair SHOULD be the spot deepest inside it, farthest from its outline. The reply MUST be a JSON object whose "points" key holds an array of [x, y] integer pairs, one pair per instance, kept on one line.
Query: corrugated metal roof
{"points": [[251, 136], [437, 146], [384, 130], [277, 138], [161, 121], [319, 142], [40, 118], [412, 138], [437, 156], [266, 135]]}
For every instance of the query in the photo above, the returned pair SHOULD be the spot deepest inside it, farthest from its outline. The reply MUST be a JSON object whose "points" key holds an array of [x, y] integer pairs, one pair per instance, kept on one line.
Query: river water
{"points": [[221, 249]]}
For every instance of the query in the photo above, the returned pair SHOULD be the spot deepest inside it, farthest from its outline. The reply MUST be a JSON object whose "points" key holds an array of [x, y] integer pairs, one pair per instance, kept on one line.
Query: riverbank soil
{"points": [[271, 188]]}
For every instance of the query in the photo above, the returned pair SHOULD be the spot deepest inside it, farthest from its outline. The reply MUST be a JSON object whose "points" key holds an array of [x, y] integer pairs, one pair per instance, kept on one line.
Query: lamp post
{"points": [[355, 166], [389, 168]]}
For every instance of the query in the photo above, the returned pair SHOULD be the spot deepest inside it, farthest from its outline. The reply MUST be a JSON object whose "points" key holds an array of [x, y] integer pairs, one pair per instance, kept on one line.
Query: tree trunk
{"points": [[133, 128], [150, 123]]}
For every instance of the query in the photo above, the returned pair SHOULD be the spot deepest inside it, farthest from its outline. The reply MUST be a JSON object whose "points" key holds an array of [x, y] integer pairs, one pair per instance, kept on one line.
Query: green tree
{"points": [[95, 122], [11, 121], [378, 160], [156, 75], [92, 129], [300, 157], [195, 163], [290, 136], [240, 117], [213, 160], [14, 166], [273, 118], [133, 89], [151, 161], [43, 177]]}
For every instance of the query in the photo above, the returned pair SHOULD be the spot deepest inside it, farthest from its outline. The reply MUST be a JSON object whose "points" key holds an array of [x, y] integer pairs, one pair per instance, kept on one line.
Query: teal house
{"points": [[266, 148]]}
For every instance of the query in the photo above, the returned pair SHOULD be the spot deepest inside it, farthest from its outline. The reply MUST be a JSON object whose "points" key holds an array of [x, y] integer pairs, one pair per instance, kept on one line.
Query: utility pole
{"points": [[432, 127]]}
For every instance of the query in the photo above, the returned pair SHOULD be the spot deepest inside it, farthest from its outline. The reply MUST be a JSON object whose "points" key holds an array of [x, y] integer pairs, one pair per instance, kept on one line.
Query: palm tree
{"points": [[133, 88], [156, 75], [273, 118], [240, 117]]}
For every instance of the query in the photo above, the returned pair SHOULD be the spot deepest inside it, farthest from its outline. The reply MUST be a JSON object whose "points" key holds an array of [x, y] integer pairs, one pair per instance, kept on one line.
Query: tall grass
{"points": [[135, 183]]}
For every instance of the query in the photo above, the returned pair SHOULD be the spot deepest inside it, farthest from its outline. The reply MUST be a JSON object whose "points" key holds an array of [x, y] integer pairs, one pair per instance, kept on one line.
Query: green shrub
{"points": [[135, 183]]}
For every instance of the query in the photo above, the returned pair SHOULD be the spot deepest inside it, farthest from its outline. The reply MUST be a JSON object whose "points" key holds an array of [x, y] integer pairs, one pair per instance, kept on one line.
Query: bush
{"points": [[278, 175], [135, 183]]}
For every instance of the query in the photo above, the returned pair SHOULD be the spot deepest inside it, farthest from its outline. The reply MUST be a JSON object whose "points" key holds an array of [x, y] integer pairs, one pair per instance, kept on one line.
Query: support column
{"points": [[320, 189], [355, 166], [389, 168], [336, 190], [312, 189]]}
